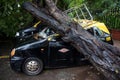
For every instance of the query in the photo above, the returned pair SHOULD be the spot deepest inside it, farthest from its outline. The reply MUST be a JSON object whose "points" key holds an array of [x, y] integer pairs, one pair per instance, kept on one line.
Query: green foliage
{"points": [[75, 3], [107, 11], [12, 17], [66, 4], [112, 18]]}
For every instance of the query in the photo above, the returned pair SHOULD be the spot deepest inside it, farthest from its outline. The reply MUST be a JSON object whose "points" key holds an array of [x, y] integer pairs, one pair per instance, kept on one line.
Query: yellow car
{"points": [[97, 29], [82, 15]]}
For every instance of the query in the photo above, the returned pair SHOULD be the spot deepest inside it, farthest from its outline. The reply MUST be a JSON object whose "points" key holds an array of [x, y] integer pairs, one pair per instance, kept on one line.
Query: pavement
{"points": [[117, 43]]}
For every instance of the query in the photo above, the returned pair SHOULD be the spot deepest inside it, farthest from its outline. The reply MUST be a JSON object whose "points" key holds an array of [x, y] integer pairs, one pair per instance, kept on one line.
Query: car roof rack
{"points": [[79, 12]]}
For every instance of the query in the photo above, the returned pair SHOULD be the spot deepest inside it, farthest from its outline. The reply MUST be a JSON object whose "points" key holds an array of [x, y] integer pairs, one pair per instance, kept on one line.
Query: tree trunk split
{"points": [[105, 57]]}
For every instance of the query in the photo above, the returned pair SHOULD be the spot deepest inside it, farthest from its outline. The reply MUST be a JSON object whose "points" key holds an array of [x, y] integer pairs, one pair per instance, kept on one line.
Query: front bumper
{"points": [[16, 63], [107, 39]]}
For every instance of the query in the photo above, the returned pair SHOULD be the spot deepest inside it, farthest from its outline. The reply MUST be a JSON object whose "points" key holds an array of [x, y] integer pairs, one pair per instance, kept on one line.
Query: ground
{"points": [[84, 72]]}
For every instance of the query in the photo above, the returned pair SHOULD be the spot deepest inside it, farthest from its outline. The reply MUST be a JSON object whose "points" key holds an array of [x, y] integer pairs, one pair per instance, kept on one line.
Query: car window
{"points": [[45, 33]]}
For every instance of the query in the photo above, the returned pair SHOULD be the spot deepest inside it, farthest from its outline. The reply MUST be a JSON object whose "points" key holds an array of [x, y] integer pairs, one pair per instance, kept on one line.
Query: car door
{"points": [[60, 53]]}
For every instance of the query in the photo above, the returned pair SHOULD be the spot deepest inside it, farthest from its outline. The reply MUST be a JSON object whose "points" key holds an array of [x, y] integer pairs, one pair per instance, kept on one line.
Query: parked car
{"points": [[45, 49]]}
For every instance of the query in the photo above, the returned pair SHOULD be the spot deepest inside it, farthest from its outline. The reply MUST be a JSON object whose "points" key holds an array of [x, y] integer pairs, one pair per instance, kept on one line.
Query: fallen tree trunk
{"points": [[105, 57]]}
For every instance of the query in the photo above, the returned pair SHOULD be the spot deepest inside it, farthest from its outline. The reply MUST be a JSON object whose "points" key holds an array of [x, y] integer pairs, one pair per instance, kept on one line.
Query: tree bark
{"points": [[105, 57]]}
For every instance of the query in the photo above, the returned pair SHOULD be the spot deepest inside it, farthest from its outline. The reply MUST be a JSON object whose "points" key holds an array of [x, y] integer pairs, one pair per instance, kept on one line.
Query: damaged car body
{"points": [[45, 49], [39, 47]]}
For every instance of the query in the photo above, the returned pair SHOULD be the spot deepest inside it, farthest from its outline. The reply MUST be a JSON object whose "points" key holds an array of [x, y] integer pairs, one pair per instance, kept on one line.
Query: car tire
{"points": [[32, 66]]}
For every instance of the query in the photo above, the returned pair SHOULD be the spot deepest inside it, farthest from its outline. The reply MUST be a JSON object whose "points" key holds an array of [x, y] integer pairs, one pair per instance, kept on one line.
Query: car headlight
{"points": [[12, 52], [108, 38], [17, 34]]}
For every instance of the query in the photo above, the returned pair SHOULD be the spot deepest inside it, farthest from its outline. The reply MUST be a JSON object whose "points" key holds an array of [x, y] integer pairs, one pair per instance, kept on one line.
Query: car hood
{"points": [[25, 32]]}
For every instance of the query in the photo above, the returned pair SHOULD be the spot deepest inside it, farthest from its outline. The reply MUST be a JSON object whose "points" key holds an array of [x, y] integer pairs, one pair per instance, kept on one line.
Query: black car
{"points": [[45, 49]]}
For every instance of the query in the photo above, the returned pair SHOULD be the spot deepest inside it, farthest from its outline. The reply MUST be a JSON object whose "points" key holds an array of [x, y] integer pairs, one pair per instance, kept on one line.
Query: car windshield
{"points": [[44, 33]]}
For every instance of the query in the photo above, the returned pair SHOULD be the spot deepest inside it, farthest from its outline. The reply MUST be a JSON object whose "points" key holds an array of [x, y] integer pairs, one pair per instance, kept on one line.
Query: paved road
{"points": [[85, 72]]}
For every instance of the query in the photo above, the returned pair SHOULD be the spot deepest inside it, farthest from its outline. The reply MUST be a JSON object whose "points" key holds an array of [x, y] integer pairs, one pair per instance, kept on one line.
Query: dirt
{"points": [[84, 72]]}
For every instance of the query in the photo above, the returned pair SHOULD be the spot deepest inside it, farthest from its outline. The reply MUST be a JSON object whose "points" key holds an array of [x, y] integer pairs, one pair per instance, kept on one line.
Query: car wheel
{"points": [[32, 66]]}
